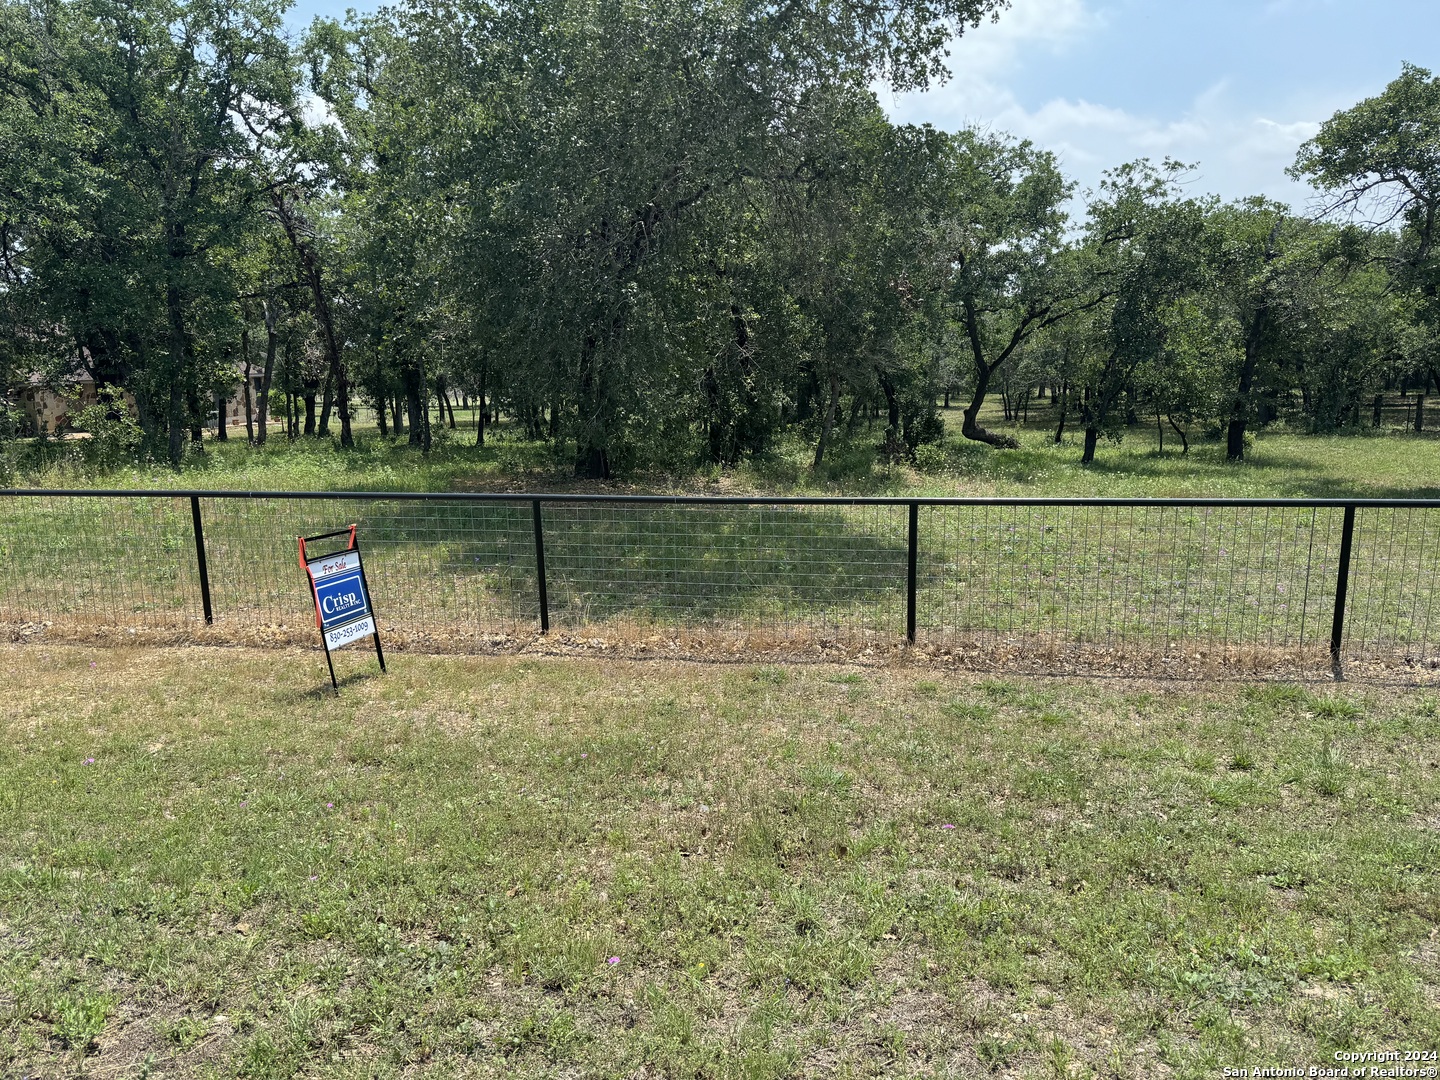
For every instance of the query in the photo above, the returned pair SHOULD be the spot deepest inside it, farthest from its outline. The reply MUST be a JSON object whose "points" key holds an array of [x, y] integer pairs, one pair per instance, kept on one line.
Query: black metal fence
{"points": [[1318, 578]]}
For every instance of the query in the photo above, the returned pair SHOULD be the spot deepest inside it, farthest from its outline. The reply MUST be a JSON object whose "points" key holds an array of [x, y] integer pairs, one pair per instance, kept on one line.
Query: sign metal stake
{"points": [[341, 592]]}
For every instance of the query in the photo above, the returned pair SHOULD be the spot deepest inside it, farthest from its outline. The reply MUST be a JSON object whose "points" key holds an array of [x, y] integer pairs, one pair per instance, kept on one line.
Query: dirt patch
{"points": [[723, 645]]}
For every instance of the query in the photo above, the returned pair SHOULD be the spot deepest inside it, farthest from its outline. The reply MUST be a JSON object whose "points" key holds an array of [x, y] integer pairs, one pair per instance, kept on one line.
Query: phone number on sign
{"points": [[346, 634]]}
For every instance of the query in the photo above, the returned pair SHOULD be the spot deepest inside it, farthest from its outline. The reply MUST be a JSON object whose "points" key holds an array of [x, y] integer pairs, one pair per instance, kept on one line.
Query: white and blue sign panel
{"points": [[341, 599]]}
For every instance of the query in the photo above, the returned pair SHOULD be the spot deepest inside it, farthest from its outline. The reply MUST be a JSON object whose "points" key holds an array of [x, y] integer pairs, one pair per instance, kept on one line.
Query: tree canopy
{"points": [[656, 233]]}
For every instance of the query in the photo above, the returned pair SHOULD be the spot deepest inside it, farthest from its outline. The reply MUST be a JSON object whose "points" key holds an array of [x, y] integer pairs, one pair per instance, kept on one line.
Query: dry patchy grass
{"points": [[210, 865]]}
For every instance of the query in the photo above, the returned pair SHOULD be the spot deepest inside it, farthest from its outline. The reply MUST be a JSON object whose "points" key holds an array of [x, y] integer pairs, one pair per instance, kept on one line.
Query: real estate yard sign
{"points": [[343, 611]]}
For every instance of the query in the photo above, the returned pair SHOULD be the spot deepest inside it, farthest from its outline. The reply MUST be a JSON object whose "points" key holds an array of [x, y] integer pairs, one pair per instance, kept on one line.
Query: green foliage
{"points": [[584, 215], [114, 436]]}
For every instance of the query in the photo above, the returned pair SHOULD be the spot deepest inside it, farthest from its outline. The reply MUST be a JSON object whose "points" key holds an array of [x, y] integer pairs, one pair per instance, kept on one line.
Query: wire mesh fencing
{"points": [[1152, 575], [1314, 579]]}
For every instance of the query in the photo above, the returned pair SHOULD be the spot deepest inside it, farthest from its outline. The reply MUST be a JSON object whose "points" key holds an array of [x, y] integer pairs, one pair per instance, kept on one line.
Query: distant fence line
{"points": [[1336, 578]]}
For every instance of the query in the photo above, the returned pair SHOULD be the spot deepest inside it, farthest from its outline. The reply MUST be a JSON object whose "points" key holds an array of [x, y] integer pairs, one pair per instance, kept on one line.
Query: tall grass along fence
{"points": [[1310, 579]]}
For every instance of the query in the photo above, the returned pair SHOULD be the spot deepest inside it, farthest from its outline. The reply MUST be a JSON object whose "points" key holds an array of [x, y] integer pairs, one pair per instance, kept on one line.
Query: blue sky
{"points": [[1235, 85]]}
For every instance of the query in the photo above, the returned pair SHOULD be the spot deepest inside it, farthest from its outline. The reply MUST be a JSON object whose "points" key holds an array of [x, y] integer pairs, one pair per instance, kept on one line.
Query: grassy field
{"points": [[210, 866], [457, 575], [1388, 464]]}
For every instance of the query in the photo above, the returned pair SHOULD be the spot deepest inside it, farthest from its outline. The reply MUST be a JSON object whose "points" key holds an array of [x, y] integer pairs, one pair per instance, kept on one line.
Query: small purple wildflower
{"points": [[329, 806], [88, 761], [584, 755], [92, 663], [613, 960], [244, 803], [947, 826], [314, 877]]}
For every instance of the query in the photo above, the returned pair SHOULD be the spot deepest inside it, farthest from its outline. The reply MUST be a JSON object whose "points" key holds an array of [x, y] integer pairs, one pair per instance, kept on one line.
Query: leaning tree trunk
{"points": [[828, 425], [327, 400], [1184, 439], [970, 426], [297, 233]]}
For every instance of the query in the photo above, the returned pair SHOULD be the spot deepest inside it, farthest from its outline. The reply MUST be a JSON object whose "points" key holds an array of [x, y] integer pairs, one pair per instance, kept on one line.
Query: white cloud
{"points": [[995, 48], [1239, 151]]}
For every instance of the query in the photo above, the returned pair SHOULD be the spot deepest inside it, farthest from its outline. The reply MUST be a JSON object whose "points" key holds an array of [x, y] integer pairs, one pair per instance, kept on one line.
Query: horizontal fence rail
{"points": [[1326, 580]]}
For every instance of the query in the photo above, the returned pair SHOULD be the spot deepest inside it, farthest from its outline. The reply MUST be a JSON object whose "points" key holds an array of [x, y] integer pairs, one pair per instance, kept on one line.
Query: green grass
{"points": [[210, 865], [1389, 463], [1153, 578]]}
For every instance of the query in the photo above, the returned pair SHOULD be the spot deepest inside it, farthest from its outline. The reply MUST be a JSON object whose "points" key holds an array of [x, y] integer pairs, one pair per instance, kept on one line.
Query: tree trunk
{"points": [[249, 400], [326, 401], [310, 413], [197, 419], [971, 428], [828, 425], [1254, 333], [480, 405], [892, 405], [263, 411], [222, 420], [1092, 437], [1184, 440], [1235, 439], [1420, 411], [1064, 404], [180, 346], [1160, 433], [399, 416], [592, 456], [1375, 414], [292, 221], [414, 407]]}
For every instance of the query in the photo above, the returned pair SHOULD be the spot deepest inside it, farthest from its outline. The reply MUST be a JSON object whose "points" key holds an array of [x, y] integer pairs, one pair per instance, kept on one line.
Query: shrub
{"points": [[932, 458], [114, 435]]}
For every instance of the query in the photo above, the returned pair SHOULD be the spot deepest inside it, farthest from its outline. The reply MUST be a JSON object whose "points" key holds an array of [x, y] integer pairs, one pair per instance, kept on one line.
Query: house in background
{"points": [[234, 402], [50, 404]]}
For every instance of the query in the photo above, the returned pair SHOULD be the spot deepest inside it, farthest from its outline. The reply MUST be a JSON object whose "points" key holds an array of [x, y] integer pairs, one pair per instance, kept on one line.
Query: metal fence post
{"points": [[1342, 589], [200, 557], [540, 569], [910, 578]]}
